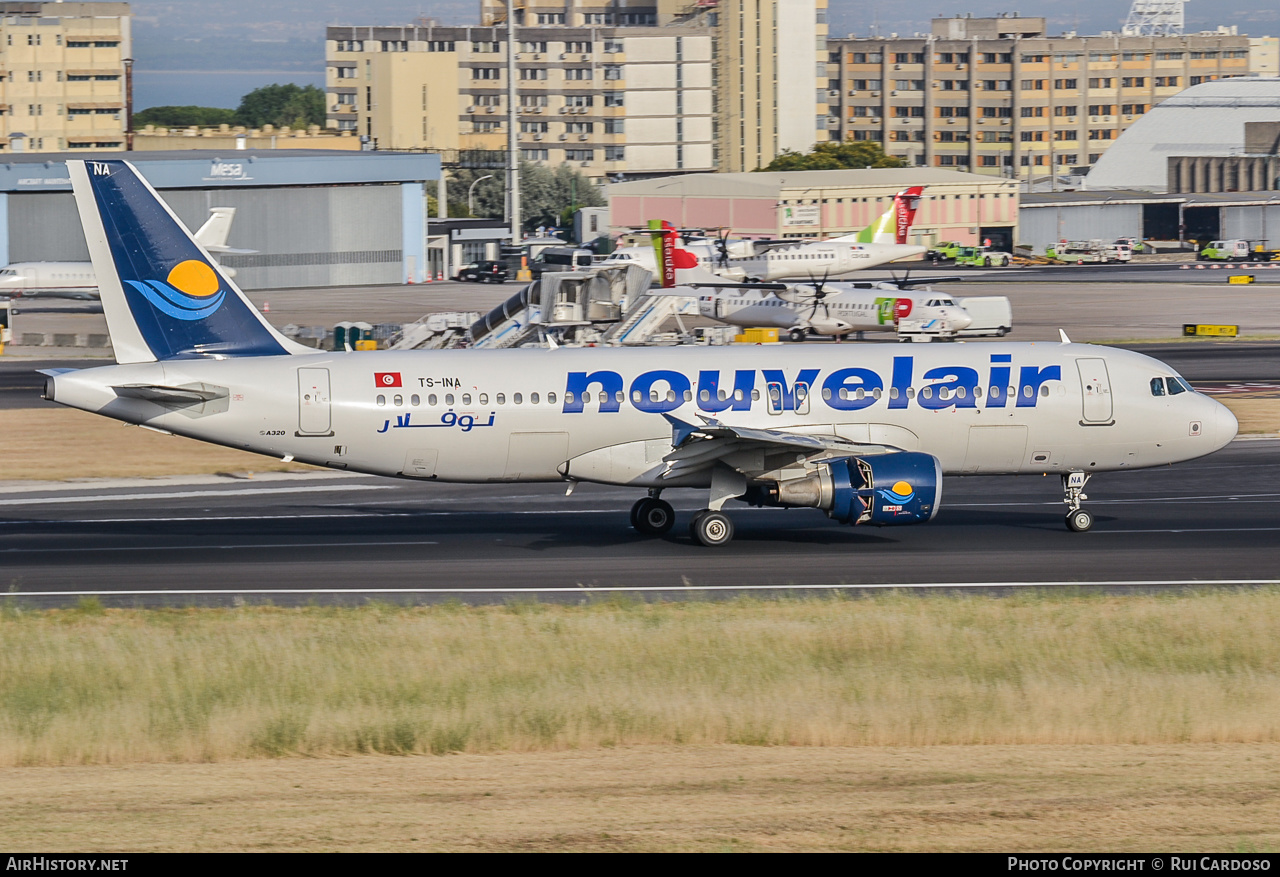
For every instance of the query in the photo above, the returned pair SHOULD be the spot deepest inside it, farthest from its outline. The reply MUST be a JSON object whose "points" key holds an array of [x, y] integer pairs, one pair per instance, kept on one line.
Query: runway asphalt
{"points": [[332, 538]]}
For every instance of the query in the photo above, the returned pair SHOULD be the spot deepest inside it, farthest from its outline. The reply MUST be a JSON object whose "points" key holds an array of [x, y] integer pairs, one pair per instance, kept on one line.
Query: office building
{"points": [[632, 101], [999, 96], [64, 78]]}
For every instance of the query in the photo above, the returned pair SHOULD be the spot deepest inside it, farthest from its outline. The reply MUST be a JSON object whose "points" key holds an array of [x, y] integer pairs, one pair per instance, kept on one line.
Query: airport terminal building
{"points": [[313, 218]]}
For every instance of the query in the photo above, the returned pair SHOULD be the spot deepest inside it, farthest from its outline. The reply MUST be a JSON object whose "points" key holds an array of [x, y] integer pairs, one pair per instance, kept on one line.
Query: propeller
{"points": [[722, 247], [817, 296]]}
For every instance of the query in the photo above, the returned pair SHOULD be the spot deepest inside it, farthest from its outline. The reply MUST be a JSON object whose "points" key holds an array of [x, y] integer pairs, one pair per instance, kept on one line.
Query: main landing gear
{"points": [[710, 527], [1078, 520], [652, 516], [797, 335]]}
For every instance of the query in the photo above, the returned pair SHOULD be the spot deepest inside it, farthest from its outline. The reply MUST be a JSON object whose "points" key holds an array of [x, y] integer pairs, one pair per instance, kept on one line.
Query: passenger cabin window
{"points": [[398, 400], [448, 399], [432, 400], [466, 398], [502, 398], [415, 400], [517, 398], [484, 398], [382, 400], [533, 398]]}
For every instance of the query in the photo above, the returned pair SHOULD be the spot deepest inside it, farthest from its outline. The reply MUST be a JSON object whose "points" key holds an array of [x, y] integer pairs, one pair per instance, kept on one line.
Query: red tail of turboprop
{"points": [[905, 204]]}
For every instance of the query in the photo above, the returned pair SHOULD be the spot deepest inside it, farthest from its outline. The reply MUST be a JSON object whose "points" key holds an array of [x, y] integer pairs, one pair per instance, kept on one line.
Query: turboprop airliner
{"points": [[77, 280], [832, 309], [863, 433], [885, 240]]}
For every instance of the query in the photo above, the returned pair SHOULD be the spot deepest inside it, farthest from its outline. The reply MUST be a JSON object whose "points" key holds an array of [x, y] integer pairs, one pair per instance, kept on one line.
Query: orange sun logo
{"points": [[194, 278]]}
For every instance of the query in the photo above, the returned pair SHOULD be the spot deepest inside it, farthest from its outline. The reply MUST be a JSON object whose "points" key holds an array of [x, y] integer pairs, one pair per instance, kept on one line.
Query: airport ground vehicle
{"points": [[982, 257], [1078, 252], [943, 251], [863, 434], [1236, 251], [482, 272], [1135, 245], [989, 315]]}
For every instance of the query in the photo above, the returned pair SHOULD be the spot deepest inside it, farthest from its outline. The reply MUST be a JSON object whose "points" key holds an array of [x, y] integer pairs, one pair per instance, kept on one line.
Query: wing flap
{"points": [[700, 447]]}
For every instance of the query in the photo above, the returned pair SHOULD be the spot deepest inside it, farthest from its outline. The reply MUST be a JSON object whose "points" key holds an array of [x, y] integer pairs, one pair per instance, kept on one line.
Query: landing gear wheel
{"points": [[797, 335], [652, 517], [711, 529], [1079, 521]]}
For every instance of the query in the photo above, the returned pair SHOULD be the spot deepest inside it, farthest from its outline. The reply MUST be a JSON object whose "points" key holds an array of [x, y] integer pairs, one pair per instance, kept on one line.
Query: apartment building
{"points": [[62, 76], [634, 101], [998, 96], [769, 72]]}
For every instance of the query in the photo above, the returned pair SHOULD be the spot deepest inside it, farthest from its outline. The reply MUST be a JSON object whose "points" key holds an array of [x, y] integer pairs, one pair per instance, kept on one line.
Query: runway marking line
{"points": [[188, 494], [578, 589]]}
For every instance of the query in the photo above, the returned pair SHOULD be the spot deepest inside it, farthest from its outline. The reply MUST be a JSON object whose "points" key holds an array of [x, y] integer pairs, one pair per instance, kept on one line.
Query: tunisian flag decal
{"points": [[387, 379]]}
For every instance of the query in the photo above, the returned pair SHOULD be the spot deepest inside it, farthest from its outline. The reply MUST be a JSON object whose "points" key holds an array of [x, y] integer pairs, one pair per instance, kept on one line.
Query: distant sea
{"points": [[207, 88]]}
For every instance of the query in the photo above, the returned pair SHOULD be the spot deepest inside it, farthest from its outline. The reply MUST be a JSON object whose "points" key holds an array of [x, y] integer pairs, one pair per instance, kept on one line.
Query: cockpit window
{"points": [[1174, 385]]}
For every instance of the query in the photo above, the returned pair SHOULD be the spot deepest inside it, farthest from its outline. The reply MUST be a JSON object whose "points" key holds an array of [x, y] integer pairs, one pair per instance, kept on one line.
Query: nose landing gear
{"points": [[1078, 520]]}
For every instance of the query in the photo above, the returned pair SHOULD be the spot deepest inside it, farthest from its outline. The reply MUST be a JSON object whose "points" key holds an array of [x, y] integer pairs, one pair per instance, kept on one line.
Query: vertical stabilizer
{"points": [[216, 229], [893, 225], [163, 296]]}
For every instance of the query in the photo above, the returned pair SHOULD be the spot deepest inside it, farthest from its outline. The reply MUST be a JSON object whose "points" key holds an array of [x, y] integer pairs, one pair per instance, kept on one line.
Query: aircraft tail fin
{"points": [[893, 225], [216, 229], [164, 297]]}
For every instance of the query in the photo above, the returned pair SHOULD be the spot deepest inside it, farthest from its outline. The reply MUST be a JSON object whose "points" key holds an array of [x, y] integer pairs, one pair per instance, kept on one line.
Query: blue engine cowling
{"points": [[899, 488]]}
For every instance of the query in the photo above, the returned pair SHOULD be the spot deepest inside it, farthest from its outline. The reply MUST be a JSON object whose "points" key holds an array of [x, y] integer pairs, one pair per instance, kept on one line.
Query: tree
{"points": [[281, 105], [833, 156], [548, 196], [489, 196], [184, 117]]}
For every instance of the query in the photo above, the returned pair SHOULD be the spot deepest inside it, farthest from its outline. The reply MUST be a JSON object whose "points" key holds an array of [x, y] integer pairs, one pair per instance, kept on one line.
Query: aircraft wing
{"points": [[748, 450]]}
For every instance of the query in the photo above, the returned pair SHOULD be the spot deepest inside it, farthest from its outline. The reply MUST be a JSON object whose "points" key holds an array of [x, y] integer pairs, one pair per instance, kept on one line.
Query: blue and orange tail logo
{"points": [[190, 292]]}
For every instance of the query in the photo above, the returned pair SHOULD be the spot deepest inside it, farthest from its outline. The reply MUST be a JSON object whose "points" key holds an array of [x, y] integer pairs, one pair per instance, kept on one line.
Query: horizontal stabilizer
{"points": [[170, 395]]}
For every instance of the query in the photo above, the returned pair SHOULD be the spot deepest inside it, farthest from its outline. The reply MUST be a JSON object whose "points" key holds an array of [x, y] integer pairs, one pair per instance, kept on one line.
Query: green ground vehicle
{"points": [[1236, 251], [981, 257], [944, 251]]}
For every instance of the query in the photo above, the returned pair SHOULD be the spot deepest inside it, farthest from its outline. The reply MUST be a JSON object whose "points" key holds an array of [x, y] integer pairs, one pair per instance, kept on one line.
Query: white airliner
{"points": [[879, 243], [77, 280], [832, 308], [864, 433]]}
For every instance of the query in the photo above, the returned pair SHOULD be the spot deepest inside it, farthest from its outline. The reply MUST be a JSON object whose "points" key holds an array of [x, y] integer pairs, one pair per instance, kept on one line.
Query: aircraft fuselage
{"points": [[595, 414]]}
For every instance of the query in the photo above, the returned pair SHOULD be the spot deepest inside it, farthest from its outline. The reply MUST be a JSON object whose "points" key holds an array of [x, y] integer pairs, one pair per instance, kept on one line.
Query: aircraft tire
{"points": [[1079, 521], [796, 335], [711, 529], [652, 517]]}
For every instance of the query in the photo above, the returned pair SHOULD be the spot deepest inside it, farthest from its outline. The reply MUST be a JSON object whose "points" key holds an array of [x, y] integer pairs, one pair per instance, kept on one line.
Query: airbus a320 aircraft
{"points": [[831, 309], [885, 240], [863, 433]]}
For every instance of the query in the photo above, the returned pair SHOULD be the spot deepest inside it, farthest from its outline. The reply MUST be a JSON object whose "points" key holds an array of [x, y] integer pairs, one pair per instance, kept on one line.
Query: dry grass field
{"points": [[1034, 722], [52, 444], [710, 798], [88, 686], [47, 444]]}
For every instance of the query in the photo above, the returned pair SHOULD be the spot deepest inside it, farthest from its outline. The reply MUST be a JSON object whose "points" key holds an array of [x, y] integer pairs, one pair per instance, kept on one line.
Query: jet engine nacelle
{"points": [[899, 488]]}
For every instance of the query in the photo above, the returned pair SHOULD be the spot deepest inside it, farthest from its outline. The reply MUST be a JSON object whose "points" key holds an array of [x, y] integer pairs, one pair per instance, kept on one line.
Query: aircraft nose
{"points": [[1224, 427], [960, 319]]}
